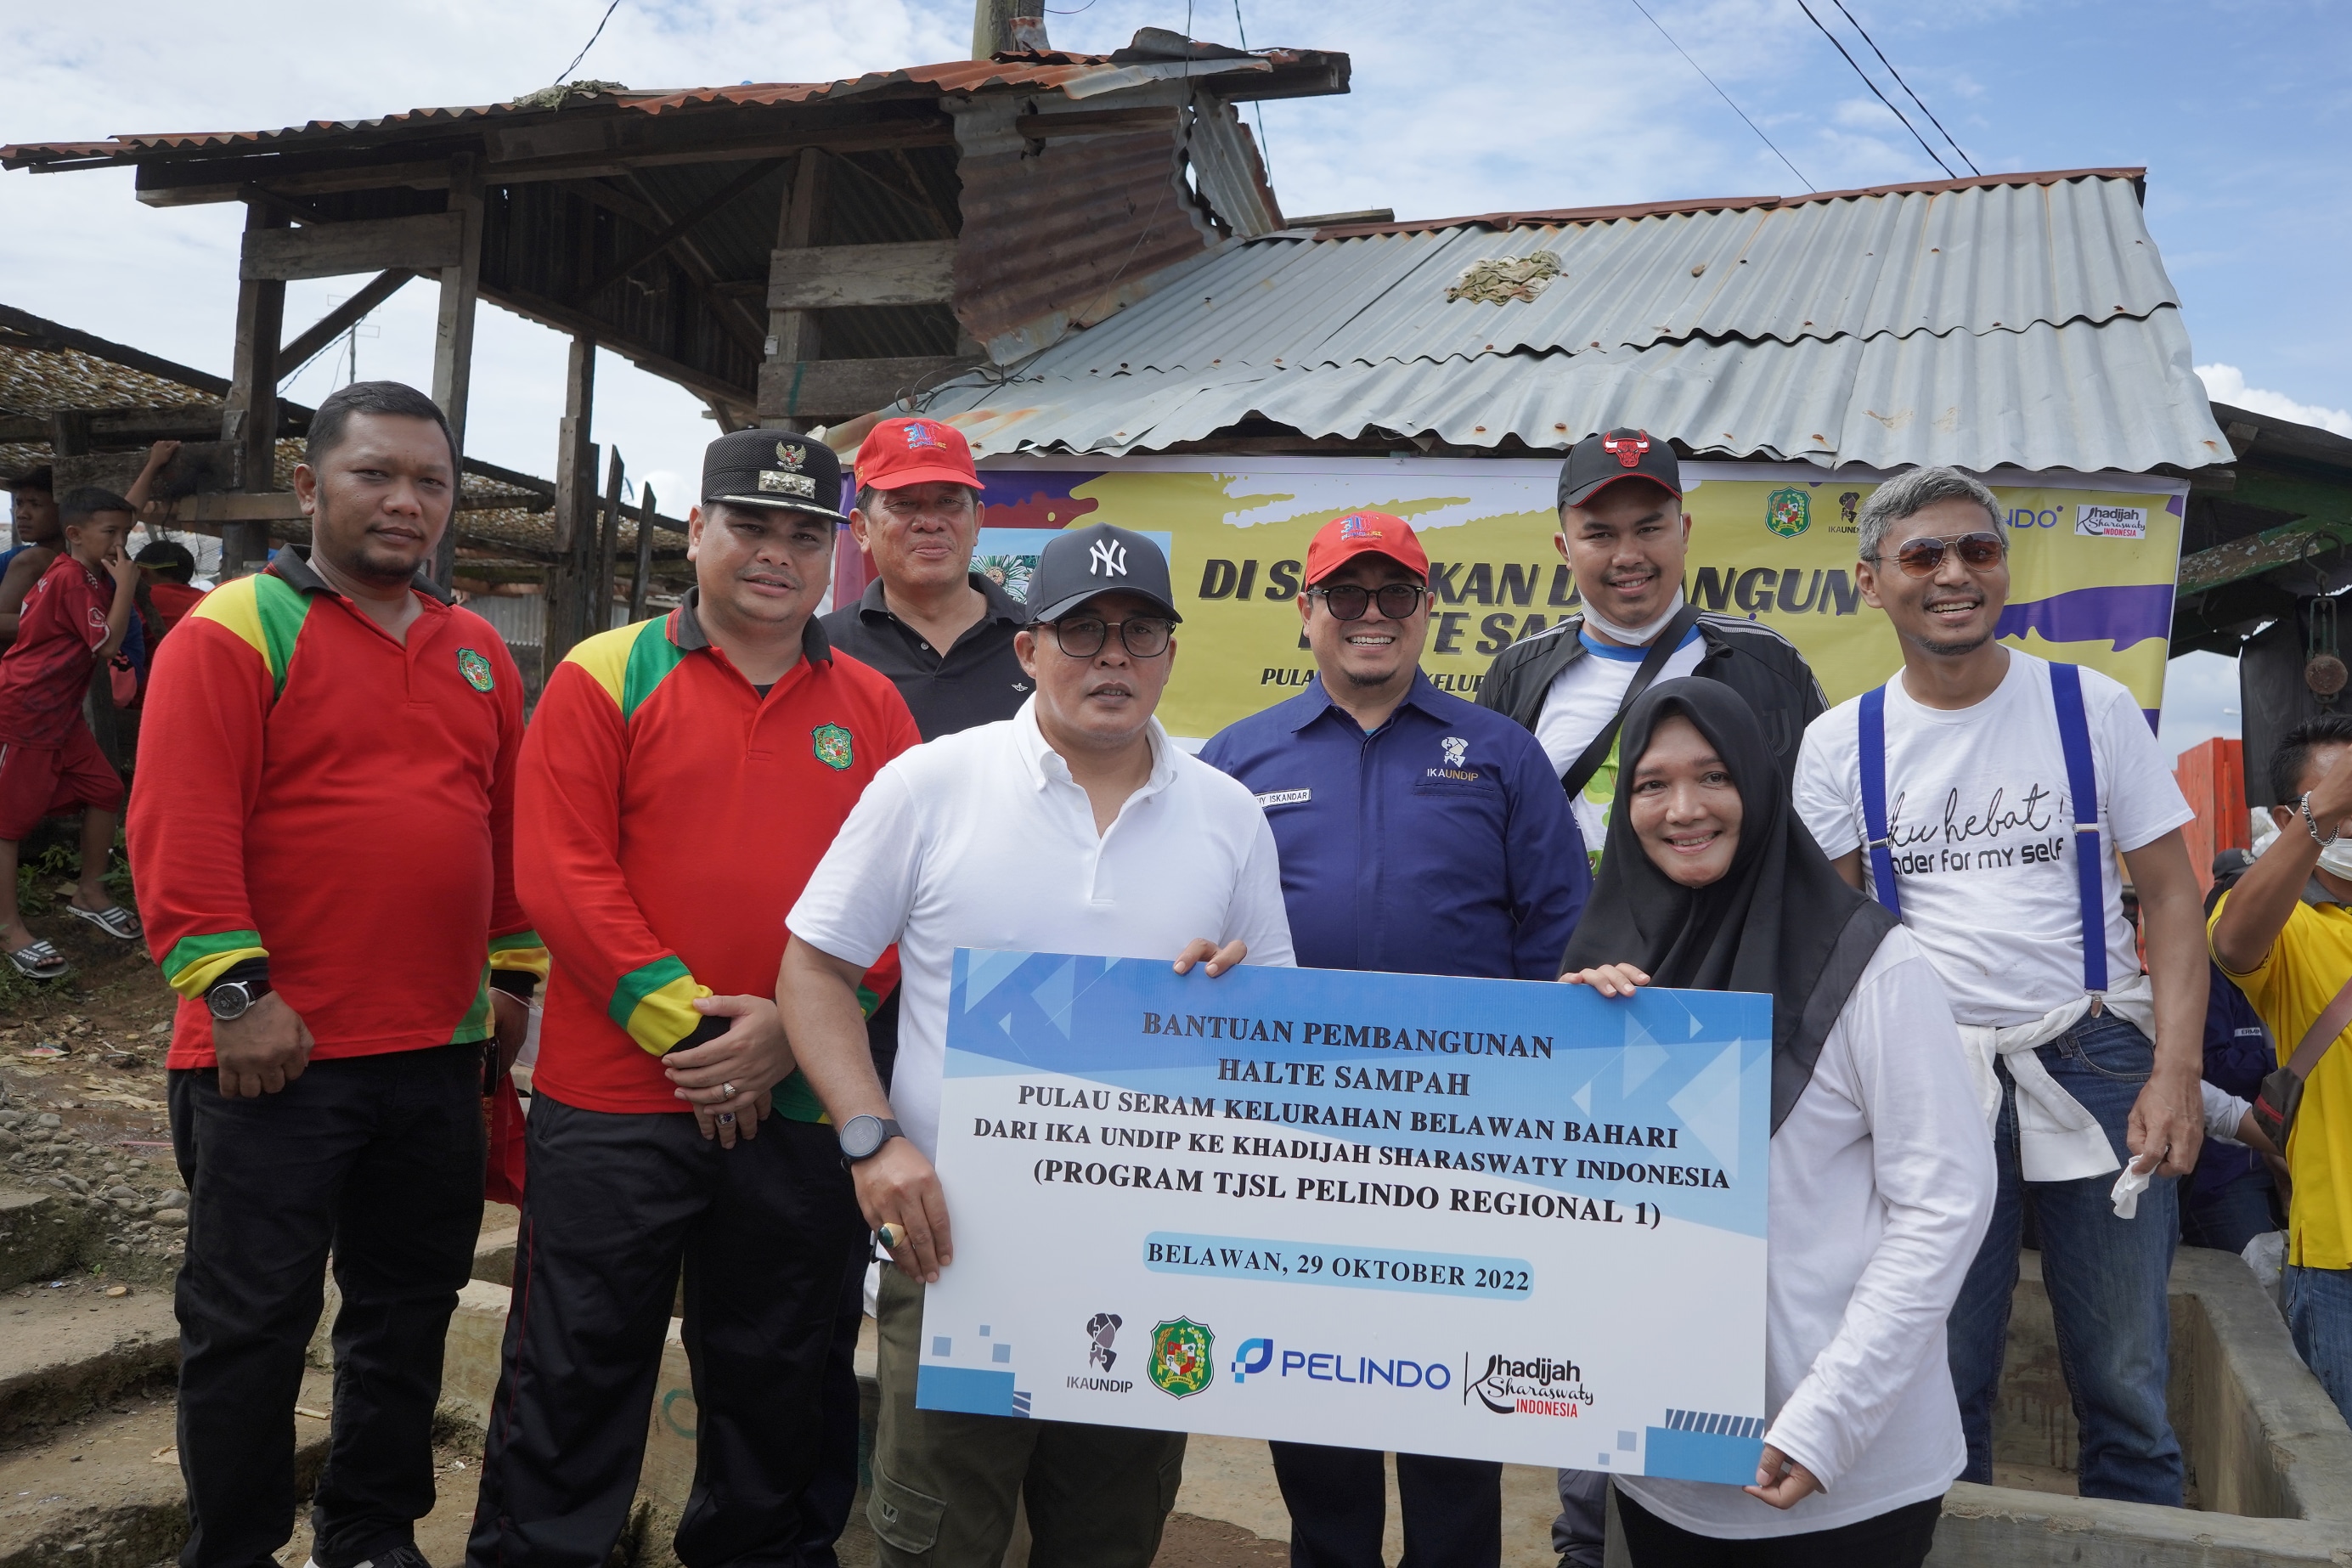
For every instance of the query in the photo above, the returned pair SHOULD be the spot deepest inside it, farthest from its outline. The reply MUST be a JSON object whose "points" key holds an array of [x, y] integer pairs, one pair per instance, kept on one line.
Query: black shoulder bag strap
{"points": [[1661, 650]]}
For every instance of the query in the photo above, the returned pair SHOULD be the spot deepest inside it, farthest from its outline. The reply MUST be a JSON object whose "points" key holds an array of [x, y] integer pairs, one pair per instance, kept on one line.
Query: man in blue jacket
{"points": [[1419, 834]]}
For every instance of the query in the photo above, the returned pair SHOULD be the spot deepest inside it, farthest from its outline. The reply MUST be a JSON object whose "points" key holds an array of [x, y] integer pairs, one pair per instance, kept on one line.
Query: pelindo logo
{"points": [[1255, 1356]]}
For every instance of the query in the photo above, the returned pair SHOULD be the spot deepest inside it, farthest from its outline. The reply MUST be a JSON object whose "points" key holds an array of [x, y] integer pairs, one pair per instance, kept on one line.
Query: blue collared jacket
{"points": [[1440, 844]]}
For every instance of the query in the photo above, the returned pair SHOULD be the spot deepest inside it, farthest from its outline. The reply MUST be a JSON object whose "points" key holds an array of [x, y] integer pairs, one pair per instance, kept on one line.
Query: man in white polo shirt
{"points": [[1983, 795], [1077, 826]]}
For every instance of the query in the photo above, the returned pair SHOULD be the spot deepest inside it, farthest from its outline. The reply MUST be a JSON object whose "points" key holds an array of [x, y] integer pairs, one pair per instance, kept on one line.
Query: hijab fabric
{"points": [[1782, 920]]}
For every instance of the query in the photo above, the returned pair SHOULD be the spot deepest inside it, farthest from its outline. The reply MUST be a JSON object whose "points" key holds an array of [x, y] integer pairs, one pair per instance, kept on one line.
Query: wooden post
{"points": [[602, 583], [575, 501], [453, 343], [249, 418], [793, 334], [638, 584]]}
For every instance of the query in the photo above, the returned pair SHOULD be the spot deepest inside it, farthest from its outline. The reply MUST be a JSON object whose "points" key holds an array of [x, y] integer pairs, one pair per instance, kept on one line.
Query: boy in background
{"points": [[73, 619]]}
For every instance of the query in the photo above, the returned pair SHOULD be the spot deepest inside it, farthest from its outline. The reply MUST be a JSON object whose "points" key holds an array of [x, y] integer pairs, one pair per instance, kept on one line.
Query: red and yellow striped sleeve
{"points": [[567, 836]]}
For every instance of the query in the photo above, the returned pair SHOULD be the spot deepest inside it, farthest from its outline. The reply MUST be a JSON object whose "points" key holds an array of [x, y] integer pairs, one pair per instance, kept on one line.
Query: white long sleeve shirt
{"points": [[1881, 1188]]}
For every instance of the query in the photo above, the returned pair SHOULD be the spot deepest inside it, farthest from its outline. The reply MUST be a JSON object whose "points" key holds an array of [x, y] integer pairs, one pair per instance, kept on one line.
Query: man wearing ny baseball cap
{"points": [[1419, 834], [1077, 826]]}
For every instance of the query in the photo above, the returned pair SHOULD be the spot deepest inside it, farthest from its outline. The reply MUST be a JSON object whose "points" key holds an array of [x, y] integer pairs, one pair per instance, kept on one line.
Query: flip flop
{"points": [[114, 920], [38, 961]]}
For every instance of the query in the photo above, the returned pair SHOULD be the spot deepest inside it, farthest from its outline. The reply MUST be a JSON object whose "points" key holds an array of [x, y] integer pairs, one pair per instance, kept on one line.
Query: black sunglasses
{"points": [[1924, 557], [1347, 601], [1144, 637]]}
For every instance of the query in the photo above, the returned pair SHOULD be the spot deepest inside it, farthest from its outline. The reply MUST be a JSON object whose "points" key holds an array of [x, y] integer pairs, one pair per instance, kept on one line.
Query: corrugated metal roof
{"points": [[1074, 76], [2012, 322]]}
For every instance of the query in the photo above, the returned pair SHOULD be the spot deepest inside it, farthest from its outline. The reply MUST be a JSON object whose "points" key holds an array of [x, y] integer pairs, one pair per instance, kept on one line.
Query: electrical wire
{"points": [[1723, 95], [566, 74], [1882, 97], [1265, 153], [1906, 86]]}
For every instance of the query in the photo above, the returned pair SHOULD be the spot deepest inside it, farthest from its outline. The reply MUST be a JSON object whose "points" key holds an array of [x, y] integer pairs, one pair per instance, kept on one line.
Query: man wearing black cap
{"points": [[1077, 826], [680, 779], [1625, 537]]}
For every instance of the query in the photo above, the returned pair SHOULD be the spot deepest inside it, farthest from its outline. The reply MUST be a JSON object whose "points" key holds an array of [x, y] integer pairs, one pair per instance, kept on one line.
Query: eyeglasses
{"points": [[1144, 637], [1924, 557], [1346, 602]]}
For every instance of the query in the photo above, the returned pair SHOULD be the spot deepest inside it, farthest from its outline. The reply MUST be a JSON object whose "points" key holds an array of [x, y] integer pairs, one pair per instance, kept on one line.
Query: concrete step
{"points": [[67, 1352], [104, 1491]]}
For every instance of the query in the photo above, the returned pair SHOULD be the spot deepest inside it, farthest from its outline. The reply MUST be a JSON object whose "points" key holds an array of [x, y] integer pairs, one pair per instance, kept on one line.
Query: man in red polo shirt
{"points": [[682, 778], [320, 842]]}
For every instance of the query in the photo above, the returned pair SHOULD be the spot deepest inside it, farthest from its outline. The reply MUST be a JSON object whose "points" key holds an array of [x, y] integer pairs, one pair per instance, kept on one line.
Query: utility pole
{"points": [[1001, 26]]}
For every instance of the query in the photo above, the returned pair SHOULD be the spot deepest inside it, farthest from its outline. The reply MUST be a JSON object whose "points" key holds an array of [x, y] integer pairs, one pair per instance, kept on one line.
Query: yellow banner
{"points": [[2092, 560]]}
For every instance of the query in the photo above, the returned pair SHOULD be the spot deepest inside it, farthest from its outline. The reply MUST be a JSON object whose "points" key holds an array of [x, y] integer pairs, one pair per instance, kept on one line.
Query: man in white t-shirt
{"points": [[1625, 539], [1952, 793], [1075, 825]]}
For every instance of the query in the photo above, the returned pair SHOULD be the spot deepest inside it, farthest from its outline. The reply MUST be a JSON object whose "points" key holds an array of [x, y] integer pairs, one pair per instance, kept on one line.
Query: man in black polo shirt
{"points": [[917, 520], [930, 623]]}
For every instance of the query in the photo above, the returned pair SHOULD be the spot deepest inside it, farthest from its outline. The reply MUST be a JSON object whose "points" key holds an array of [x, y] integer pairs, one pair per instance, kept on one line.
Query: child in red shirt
{"points": [[73, 621]]}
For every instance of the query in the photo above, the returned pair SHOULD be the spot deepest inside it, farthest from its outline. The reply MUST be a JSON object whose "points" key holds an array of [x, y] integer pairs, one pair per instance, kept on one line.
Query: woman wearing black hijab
{"points": [[1881, 1181]]}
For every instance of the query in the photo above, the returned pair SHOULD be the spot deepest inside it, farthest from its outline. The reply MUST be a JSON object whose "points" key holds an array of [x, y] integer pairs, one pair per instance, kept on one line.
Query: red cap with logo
{"points": [[1343, 539], [901, 452]]}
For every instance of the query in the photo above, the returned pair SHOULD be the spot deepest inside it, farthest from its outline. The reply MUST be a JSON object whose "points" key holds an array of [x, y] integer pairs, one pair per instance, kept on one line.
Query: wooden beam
{"points": [[608, 550], [576, 455], [641, 580], [683, 225], [426, 242], [293, 356], [249, 419], [125, 426], [733, 317], [1099, 122], [568, 318], [453, 339], [826, 388], [828, 276], [793, 334]]}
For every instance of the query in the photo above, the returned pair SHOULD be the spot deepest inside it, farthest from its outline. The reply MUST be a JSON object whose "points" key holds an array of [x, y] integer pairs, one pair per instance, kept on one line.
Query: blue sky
{"points": [[2240, 110]]}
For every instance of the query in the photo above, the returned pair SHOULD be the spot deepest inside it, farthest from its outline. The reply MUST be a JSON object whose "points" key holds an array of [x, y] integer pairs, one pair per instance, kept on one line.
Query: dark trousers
{"points": [[1897, 1540], [380, 1160], [832, 1490], [615, 1204], [1338, 1498]]}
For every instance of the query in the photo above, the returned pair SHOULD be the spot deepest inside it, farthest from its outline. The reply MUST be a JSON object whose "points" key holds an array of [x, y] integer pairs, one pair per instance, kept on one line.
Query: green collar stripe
{"points": [[640, 983], [282, 608], [651, 658]]}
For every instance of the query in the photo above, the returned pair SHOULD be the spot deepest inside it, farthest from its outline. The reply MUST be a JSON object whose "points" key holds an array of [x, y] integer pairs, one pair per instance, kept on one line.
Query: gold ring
{"points": [[892, 1238]]}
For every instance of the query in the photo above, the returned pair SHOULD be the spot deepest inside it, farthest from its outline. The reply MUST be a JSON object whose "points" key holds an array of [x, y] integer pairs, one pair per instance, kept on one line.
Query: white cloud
{"points": [[2226, 383]]}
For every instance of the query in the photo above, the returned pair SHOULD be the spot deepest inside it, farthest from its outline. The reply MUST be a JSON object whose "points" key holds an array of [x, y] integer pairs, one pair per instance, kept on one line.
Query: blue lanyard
{"points": [[2081, 783]]}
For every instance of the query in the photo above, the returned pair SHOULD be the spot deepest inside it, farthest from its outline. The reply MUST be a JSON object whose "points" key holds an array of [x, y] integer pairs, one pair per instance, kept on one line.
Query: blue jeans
{"points": [[2319, 1315], [2105, 1277], [2228, 1214]]}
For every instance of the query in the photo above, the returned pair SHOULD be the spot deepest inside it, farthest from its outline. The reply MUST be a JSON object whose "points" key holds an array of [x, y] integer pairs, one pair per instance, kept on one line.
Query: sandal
{"points": [[114, 920], [38, 961]]}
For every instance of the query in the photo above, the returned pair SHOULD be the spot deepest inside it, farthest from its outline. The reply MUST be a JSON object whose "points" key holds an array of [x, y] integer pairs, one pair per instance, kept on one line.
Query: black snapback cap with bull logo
{"points": [[1598, 461]]}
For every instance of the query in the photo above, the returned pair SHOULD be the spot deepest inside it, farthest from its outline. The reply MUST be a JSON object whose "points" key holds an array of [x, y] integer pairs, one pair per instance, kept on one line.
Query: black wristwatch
{"points": [[863, 1136], [233, 999]]}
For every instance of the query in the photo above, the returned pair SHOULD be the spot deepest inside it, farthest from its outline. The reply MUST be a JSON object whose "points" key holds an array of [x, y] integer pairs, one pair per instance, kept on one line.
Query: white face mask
{"points": [[1632, 636], [2336, 857]]}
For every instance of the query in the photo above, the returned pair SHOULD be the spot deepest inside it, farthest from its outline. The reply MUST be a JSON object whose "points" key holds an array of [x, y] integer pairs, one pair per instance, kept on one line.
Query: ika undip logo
{"points": [[476, 669], [832, 746], [1789, 512], [1183, 1357]]}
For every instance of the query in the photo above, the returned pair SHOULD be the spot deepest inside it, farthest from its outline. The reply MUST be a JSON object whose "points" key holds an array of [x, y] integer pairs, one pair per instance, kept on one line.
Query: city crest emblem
{"points": [[1789, 512], [476, 669], [1183, 1357], [832, 746]]}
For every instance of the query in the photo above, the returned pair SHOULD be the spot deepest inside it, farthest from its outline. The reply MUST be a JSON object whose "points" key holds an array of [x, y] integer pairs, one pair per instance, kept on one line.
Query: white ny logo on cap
{"points": [[1106, 558]]}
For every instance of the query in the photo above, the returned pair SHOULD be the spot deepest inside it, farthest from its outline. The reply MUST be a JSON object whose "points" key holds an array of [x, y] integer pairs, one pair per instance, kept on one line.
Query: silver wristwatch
{"points": [[233, 999]]}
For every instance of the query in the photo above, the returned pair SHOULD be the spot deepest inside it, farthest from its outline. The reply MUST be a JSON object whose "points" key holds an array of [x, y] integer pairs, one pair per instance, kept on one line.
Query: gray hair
{"points": [[1910, 491]]}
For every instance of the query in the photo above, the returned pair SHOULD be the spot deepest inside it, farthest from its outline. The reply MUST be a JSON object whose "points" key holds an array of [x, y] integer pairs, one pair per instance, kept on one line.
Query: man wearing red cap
{"points": [[1418, 834]]}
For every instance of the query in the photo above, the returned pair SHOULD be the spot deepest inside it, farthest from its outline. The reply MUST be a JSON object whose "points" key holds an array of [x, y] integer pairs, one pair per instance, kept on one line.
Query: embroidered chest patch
{"points": [[832, 745], [476, 669]]}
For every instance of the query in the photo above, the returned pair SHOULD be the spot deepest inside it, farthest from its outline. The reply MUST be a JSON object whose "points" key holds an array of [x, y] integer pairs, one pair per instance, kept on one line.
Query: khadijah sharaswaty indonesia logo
{"points": [[1183, 1357]]}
